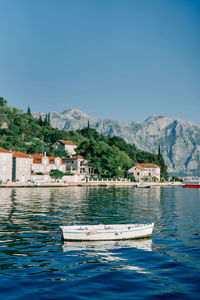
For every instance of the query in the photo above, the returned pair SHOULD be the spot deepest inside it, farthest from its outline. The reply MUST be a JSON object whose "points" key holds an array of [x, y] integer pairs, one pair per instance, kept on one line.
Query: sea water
{"points": [[36, 264]]}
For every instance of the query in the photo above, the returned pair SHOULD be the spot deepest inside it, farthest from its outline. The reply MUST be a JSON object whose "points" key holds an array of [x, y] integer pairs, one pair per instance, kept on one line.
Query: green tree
{"points": [[163, 168], [91, 133], [47, 120], [56, 174], [40, 121], [129, 176], [175, 178], [108, 161], [60, 152], [29, 111], [3, 102]]}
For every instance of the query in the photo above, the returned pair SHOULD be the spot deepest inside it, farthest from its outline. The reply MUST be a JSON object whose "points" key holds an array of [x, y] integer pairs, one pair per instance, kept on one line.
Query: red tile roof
{"points": [[149, 165], [52, 157], [144, 166], [67, 142], [4, 150], [37, 155], [36, 161], [21, 155], [139, 166]]}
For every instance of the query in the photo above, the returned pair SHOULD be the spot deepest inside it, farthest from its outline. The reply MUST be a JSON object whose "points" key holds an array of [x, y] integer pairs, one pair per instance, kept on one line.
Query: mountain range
{"points": [[179, 140]]}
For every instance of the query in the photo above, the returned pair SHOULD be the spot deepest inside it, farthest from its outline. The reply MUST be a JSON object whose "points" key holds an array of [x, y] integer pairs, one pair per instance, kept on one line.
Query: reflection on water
{"points": [[33, 258], [109, 251], [142, 244]]}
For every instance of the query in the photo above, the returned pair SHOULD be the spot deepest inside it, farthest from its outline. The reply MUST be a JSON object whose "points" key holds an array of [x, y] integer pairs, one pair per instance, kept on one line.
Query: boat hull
{"points": [[143, 186], [195, 186], [106, 232]]}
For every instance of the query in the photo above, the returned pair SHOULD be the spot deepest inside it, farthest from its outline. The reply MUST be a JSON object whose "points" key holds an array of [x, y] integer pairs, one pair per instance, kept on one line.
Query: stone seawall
{"points": [[87, 184]]}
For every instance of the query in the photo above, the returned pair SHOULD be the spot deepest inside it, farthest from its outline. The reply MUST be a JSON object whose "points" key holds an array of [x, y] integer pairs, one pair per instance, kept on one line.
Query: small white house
{"points": [[77, 164], [67, 146], [5, 165], [145, 170]]}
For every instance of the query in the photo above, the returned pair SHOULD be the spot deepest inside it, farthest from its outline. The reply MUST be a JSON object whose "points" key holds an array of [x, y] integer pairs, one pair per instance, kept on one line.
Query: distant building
{"points": [[44, 164], [5, 165], [67, 146], [78, 165], [57, 163], [21, 169], [145, 170]]}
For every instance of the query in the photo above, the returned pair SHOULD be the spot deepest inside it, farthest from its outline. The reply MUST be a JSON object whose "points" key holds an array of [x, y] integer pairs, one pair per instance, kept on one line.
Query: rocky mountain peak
{"points": [[75, 113]]}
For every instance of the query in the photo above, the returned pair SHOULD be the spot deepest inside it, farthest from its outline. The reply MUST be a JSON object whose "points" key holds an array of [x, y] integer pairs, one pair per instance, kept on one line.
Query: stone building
{"points": [[5, 165], [57, 163], [78, 165], [21, 169], [145, 170], [44, 164]]}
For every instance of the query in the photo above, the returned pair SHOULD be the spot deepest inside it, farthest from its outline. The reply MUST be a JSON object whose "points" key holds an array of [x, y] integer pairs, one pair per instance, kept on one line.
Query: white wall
{"points": [[5, 167]]}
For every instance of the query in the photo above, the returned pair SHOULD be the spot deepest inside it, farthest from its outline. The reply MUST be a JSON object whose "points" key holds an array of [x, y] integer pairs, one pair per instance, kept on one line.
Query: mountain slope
{"points": [[179, 140]]}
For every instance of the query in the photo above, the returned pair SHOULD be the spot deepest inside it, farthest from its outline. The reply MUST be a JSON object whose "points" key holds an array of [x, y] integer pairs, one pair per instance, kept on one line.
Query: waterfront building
{"points": [[21, 167], [44, 164], [5, 165], [57, 163], [78, 165], [149, 171]]}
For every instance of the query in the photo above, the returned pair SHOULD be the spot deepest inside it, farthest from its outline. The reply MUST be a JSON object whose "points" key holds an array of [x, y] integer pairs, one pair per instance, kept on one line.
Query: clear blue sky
{"points": [[118, 59]]}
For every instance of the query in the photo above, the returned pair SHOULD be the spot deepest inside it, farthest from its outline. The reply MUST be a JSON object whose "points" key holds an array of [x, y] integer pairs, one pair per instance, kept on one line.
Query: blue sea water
{"points": [[36, 264]]}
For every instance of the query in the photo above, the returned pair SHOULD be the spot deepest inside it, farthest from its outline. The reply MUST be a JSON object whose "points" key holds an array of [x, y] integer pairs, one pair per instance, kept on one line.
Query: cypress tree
{"points": [[29, 111], [88, 130], [163, 167], [45, 123], [159, 151], [40, 122], [49, 119]]}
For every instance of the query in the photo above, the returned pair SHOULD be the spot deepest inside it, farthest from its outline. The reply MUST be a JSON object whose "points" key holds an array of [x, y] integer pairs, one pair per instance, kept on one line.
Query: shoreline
{"points": [[88, 184]]}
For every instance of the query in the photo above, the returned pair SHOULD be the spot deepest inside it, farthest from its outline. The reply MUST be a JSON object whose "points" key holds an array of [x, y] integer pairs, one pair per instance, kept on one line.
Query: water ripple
{"points": [[36, 264]]}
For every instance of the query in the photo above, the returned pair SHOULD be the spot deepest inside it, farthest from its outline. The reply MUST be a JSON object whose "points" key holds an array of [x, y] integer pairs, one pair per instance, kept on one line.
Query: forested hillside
{"points": [[111, 156], [20, 131]]}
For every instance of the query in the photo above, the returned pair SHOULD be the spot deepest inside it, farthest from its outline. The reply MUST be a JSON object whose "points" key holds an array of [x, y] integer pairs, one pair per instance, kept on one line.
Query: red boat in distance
{"points": [[196, 186]]}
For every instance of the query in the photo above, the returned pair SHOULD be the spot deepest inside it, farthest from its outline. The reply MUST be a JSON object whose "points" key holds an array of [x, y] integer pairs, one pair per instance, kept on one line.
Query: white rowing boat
{"points": [[106, 232], [143, 186]]}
